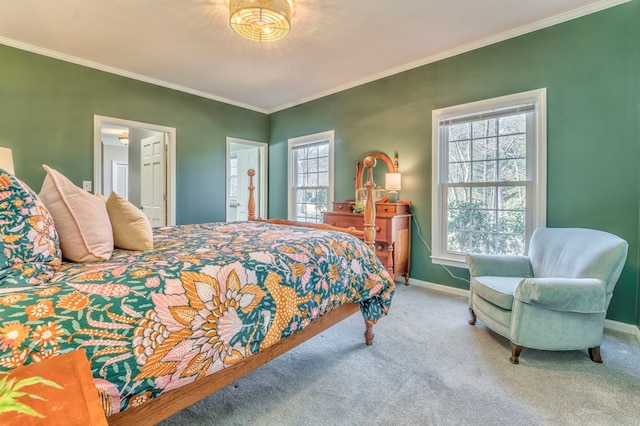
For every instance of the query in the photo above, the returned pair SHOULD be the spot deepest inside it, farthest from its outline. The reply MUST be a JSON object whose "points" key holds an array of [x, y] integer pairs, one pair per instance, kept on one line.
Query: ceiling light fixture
{"points": [[124, 138], [260, 20]]}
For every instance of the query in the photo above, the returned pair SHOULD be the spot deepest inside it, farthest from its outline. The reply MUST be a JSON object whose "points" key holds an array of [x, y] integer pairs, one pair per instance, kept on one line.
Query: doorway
{"points": [[243, 155], [137, 161]]}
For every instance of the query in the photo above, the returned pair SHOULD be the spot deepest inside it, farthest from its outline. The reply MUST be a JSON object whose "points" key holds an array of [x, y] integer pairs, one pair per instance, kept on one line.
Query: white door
{"points": [[248, 159], [120, 179], [153, 179], [246, 155]]}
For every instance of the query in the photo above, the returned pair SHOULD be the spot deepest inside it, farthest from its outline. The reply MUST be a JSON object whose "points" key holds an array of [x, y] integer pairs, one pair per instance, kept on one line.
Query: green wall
{"points": [[591, 69], [46, 116]]}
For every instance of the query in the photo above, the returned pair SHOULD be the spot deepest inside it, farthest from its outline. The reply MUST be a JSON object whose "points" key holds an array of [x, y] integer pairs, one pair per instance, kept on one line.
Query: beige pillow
{"points": [[131, 228], [80, 218]]}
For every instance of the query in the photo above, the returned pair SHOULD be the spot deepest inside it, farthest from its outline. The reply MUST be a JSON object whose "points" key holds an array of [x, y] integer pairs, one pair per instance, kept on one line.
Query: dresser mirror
{"points": [[384, 165]]}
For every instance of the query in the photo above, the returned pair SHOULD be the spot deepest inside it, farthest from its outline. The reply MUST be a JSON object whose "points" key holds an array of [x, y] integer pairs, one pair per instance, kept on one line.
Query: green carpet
{"points": [[428, 366]]}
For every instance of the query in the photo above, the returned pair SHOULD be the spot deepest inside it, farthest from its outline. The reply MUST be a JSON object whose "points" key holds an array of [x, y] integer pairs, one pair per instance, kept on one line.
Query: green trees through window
{"points": [[489, 175], [310, 178], [486, 203]]}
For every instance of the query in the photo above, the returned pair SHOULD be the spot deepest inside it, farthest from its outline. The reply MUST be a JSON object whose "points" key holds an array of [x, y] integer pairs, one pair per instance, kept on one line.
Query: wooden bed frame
{"points": [[173, 401], [369, 233]]}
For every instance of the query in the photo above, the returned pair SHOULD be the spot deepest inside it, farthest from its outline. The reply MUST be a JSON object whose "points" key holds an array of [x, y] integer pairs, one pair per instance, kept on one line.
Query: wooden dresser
{"points": [[393, 232]]}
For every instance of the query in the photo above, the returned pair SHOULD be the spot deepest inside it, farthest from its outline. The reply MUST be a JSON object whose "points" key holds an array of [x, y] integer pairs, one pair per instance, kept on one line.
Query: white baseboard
{"points": [[608, 324], [622, 327], [439, 287]]}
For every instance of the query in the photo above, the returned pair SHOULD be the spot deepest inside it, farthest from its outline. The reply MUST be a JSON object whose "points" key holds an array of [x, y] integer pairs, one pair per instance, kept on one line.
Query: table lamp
{"points": [[392, 185]]}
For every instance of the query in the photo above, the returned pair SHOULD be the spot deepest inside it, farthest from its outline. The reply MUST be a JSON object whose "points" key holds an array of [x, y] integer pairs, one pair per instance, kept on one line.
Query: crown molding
{"points": [[123, 73], [535, 26], [525, 29]]}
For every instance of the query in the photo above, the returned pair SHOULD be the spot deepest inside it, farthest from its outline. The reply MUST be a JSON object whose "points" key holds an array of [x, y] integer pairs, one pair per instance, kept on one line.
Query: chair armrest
{"points": [[581, 295], [495, 265]]}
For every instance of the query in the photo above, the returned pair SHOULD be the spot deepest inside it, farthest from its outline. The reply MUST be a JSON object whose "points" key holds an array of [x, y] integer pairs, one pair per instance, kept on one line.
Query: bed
{"points": [[163, 328]]}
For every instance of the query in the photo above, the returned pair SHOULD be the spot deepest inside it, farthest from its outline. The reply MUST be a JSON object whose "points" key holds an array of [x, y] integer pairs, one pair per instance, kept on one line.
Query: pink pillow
{"points": [[80, 218]]}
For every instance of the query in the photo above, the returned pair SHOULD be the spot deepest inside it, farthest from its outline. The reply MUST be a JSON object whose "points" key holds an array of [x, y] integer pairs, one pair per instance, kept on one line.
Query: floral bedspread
{"points": [[206, 297]]}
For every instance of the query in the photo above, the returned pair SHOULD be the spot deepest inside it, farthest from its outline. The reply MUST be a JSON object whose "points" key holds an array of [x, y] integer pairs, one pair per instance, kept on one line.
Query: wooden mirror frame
{"points": [[360, 168]]}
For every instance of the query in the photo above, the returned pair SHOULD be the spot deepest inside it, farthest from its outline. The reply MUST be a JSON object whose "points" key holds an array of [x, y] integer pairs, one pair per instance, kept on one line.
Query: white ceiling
{"points": [[333, 45]]}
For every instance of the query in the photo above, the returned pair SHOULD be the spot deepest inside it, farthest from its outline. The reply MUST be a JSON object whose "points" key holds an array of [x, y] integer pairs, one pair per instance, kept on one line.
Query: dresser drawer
{"points": [[383, 229], [382, 225], [344, 220], [382, 253], [392, 208], [343, 206]]}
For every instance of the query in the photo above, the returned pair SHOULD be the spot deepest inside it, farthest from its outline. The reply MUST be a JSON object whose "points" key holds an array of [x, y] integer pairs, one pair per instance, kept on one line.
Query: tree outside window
{"points": [[489, 175], [310, 176]]}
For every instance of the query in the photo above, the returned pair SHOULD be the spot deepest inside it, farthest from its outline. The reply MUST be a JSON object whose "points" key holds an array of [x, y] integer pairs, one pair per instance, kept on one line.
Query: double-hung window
{"points": [[489, 176], [310, 176], [233, 177]]}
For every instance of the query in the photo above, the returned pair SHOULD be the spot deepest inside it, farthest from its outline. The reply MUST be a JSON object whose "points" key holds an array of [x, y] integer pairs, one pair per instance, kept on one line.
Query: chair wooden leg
{"points": [[594, 354], [515, 353], [472, 321]]}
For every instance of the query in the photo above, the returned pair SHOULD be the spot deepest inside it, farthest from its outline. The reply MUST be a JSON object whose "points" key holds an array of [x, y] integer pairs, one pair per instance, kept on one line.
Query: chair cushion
{"points": [[497, 290]]}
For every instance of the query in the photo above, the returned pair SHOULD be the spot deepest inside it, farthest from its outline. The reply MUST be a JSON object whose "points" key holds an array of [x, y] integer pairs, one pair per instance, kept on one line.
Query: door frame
{"points": [[170, 163], [261, 207]]}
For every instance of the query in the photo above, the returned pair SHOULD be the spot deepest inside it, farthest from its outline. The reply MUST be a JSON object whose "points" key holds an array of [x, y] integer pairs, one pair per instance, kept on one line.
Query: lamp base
{"points": [[392, 196]]}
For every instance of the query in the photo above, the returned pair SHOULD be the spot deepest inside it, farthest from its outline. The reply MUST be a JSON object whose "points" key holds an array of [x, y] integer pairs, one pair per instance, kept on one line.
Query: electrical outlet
{"points": [[86, 185]]}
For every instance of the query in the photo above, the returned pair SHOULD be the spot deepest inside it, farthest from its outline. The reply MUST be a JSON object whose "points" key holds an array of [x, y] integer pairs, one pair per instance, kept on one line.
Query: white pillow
{"points": [[80, 218], [131, 227]]}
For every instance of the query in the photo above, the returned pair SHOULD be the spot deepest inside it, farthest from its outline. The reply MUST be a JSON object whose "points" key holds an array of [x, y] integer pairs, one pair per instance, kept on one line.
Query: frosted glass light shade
{"points": [[260, 20], [392, 181], [6, 160]]}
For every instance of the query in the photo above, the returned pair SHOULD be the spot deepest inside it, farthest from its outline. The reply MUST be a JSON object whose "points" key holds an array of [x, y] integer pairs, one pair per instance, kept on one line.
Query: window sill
{"points": [[449, 261]]}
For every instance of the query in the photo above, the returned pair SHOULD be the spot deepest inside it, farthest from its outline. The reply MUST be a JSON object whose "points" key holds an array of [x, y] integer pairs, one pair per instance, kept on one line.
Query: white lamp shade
{"points": [[392, 181], [6, 160]]}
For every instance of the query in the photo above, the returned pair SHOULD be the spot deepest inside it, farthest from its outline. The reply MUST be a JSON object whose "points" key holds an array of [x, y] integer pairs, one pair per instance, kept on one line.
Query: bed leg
{"points": [[368, 334]]}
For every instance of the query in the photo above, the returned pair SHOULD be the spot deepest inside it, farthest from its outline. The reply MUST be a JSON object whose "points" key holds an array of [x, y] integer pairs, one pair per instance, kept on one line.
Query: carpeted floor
{"points": [[428, 366]]}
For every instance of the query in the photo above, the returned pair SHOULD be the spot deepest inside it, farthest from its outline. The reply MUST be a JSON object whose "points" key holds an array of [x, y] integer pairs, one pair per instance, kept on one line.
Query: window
{"points": [[310, 176], [233, 177], [489, 176]]}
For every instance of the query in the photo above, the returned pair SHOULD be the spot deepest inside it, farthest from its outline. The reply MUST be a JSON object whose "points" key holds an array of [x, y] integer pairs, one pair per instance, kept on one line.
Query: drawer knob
{"points": [[380, 248], [377, 228], [333, 223], [386, 209], [340, 207]]}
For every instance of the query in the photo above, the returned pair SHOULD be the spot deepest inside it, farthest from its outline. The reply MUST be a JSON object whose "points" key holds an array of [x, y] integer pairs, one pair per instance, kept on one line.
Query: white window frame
{"points": [[307, 140], [233, 178], [536, 208]]}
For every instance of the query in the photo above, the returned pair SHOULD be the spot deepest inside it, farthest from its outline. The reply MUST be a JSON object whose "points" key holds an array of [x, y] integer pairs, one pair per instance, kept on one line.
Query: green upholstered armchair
{"points": [[556, 298]]}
